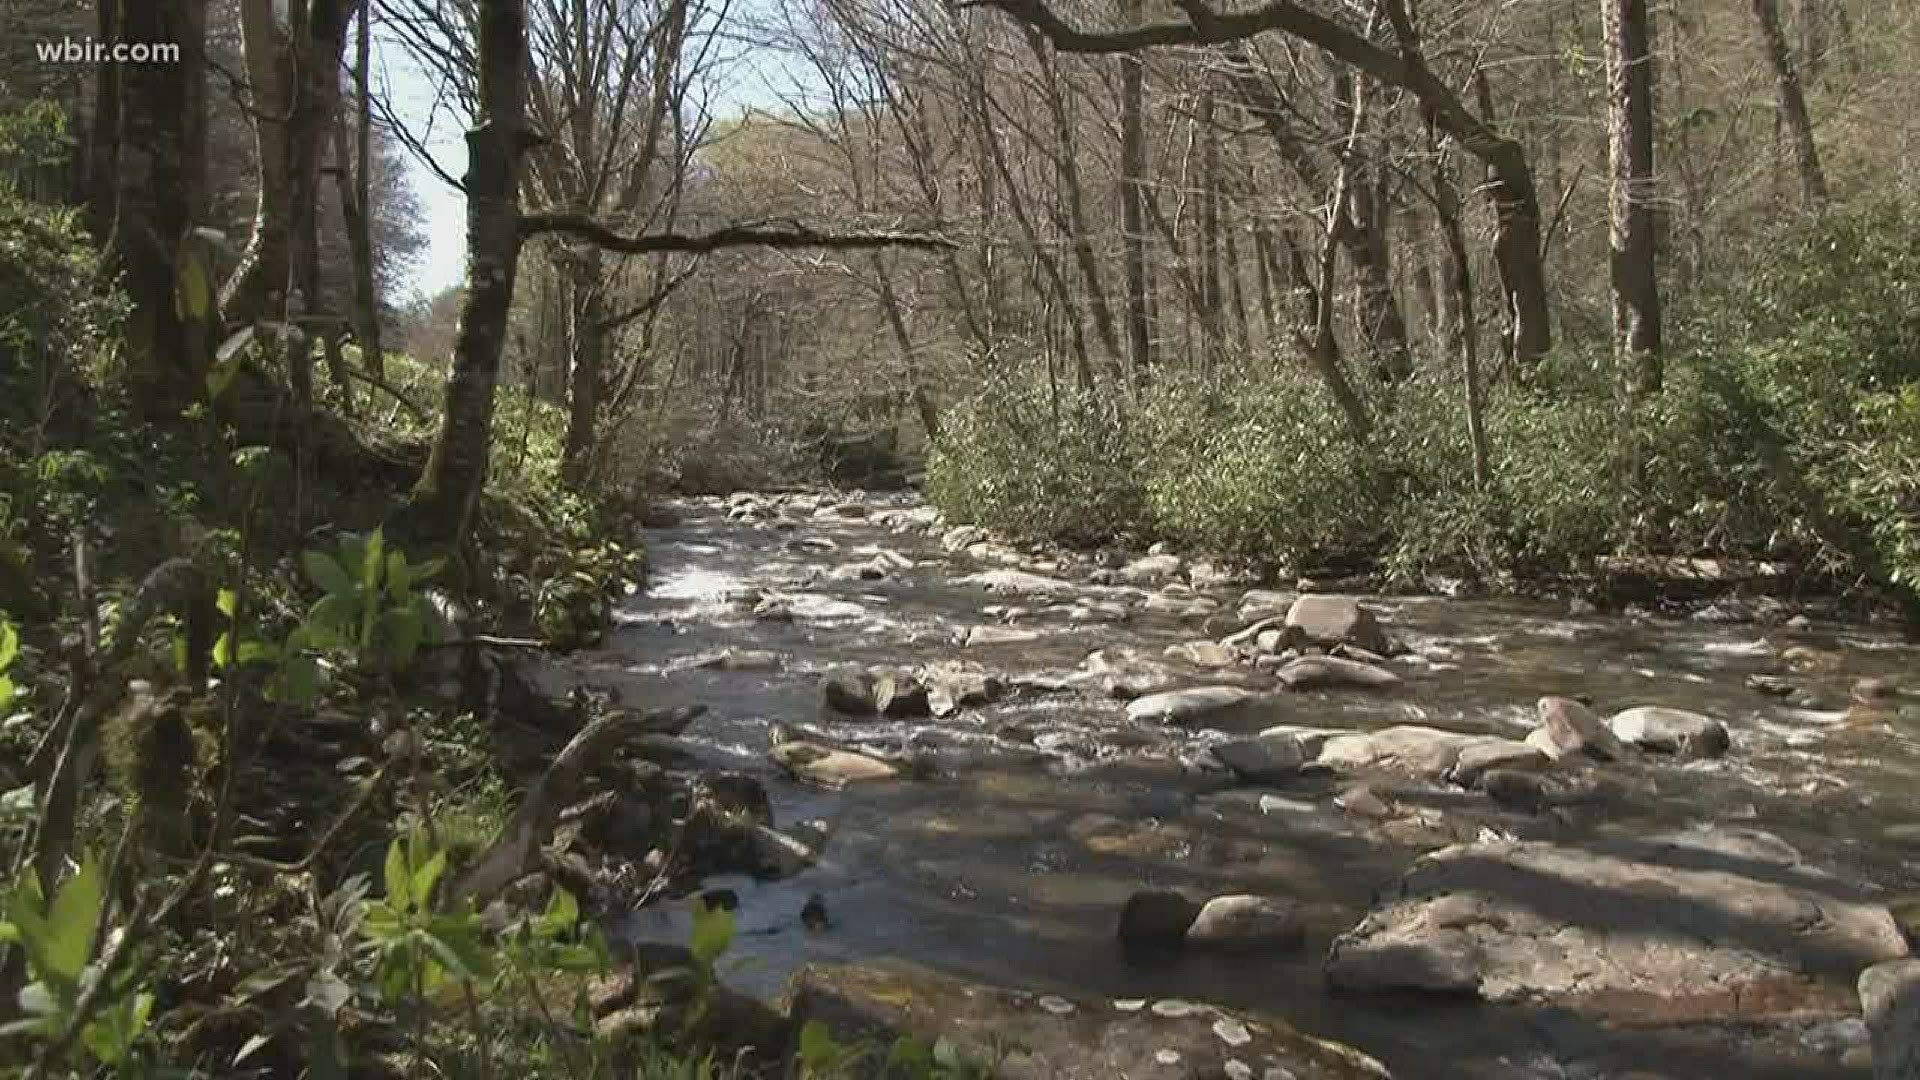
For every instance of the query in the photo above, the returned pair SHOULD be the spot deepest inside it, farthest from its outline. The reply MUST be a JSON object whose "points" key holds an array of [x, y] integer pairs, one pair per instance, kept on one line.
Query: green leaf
{"points": [[9, 645], [399, 576], [297, 682], [401, 630], [817, 1045], [332, 619], [373, 562], [713, 930], [427, 571], [7, 691], [399, 882], [226, 601], [71, 923], [426, 876], [329, 575], [328, 992], [563, 912], [193, 284], [221, 649]]}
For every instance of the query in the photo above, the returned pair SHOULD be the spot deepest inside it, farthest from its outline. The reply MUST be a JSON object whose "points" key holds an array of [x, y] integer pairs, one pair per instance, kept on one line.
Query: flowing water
{"points": [[1030, 821]]}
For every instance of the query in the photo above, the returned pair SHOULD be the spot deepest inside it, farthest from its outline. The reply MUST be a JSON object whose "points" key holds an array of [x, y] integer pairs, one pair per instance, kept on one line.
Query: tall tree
{"points": [[1792, 103], [1636, 287], [1133, 200]]}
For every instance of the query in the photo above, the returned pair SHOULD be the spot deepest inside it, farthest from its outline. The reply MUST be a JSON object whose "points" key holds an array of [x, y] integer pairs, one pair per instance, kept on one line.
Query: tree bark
{"points": [[1133, 224], [162, 186], [103, 155], [366, 298], [294, 70], [1636, 289], [449, 488], [1792, 104], [586, 332]]}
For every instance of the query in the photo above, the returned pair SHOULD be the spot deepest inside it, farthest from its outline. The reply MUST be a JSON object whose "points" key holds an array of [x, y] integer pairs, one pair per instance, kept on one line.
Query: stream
{"points": [[1026, 823]]}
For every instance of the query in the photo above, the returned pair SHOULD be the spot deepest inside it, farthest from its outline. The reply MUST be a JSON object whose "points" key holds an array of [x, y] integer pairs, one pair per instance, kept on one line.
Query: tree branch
{"points": [[789, 235]]}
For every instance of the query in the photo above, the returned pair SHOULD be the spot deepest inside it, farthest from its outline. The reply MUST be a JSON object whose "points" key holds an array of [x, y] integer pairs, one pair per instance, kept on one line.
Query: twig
{"points": [[792, 235]]}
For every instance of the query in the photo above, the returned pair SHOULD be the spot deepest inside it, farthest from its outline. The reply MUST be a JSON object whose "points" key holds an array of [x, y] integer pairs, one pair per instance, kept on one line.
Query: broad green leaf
{"points": [[193, 285], [563, 912], [329, 575], [298, 681], [373, 562], [399, 576], [400, 632], [9, 645], [399, 882], [38, 999], [221, 650], [332, 619], [428, 570], [353, 552], [226, 601], [426, 876], [817, 1045], [713, 929], [71, 923], [7, 691]]}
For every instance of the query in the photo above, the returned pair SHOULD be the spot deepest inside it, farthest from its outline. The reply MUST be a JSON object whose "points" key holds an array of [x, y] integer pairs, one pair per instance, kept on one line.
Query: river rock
{"points": [[1062, 1038], [1334, 620], [1194, 705], [1262, 759], [736, 660], [979, 636], [1265, 603], [1314, 672], [1483, 755], [1706, 926], [1671, 731], [1150, 569], [1890, 1000], [952, 687], [1568, 728], [961, 537], [898, 694], [848, 690], [1206, 654], [1241, 923], [1410, 749], [1156, 918], [1016, 583], [826, 766]]}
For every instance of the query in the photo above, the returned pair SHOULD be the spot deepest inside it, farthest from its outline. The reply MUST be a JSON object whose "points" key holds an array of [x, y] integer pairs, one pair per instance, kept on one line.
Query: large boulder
{"points": [[1716, 924], [1568, 729], [1890, 1001], [1059, 1038], [1337, 620], [1671, 731], [848, 690]]}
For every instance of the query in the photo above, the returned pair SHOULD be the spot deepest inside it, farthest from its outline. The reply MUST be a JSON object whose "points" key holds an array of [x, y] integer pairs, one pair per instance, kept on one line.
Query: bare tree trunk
{"points": [[162, 184], [1792, 104], [909, 356], [103, 156], [444, 499], [1636, 289], [586, 315], [1133, 224], [294, 69], [366, 299], [1209, 218], [1460, 326]]}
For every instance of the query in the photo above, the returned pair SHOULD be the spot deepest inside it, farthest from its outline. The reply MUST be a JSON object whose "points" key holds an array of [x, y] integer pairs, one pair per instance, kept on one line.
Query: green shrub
{"points": [[1051, 464], [1265, 472], [1883, 482]]}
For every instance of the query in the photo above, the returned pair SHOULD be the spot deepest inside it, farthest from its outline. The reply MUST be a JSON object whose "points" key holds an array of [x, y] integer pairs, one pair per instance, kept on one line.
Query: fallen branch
{"points": [[789, 235], [517, 851]]}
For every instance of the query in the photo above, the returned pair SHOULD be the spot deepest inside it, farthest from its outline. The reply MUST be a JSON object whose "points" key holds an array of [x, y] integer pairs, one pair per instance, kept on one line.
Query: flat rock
{"points": [[1063, 1038], [1016, 583], [1492, 752], [1890, 1001], [848, 690], [1671, 731], [1262, 759], [1149, 569], [1706, 926], [1206, 654], [977, 636], [1194, 705], [1312, 672], [826, 766], [1335, 620], [1409, 749], [1247, 923]]}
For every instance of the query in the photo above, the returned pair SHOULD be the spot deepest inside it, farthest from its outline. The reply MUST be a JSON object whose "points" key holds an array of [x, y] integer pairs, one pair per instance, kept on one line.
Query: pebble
{"points": [[1130, 1004], [1167, 1057], [1174, 1008], [1056, 1005]]}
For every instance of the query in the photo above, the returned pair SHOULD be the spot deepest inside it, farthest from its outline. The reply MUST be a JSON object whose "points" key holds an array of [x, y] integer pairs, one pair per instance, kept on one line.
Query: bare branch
{"points": [[789, 235]]}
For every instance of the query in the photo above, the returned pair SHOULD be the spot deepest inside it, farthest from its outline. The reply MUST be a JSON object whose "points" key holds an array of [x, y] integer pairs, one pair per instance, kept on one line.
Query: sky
{"points": [[754, 80]]}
